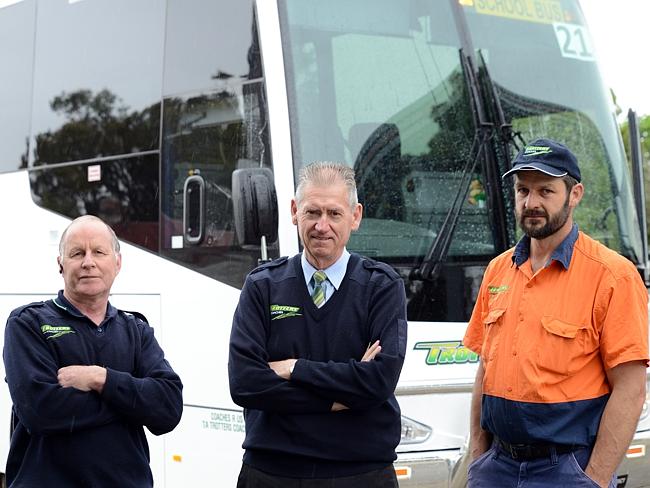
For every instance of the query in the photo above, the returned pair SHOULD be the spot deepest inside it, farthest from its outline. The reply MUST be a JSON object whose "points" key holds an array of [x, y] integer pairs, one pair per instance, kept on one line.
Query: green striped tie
{"points": [[318, 296]]}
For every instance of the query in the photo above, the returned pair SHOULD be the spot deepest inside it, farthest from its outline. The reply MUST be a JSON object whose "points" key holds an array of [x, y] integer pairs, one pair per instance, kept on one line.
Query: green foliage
{"points": [[96, 124], [595, 215], [644, 131]]}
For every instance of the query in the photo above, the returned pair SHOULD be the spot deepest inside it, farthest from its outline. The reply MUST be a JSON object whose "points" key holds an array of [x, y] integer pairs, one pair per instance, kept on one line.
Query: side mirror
{"points": [[255, 207]]}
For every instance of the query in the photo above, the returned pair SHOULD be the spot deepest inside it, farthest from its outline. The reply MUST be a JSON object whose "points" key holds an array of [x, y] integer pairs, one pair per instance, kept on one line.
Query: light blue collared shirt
{"points": [[335, 273]]}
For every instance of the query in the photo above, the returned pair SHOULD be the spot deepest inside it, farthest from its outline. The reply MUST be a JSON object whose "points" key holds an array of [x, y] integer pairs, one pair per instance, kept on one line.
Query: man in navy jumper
{"points": [[314, 359], [85, 377]]}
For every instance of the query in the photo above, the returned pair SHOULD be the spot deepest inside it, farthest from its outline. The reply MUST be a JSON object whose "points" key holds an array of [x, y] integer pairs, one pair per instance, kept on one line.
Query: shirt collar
{"points": [[561, 254], [62, 302], [335, 273]]}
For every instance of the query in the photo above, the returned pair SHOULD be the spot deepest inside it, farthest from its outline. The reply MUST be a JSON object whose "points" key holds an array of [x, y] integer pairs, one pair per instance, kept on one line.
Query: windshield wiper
{"points": [[506, 135], [430, 266], [507, 142]]}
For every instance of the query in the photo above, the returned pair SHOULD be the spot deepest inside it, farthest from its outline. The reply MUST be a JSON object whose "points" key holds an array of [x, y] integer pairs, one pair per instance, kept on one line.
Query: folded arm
{"points": [[41, 404], [152, 393], [253, 383], [356, 383]]}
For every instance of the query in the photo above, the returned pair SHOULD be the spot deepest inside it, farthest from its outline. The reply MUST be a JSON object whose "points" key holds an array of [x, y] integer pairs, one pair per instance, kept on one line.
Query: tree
{"points": [[644, 132]]}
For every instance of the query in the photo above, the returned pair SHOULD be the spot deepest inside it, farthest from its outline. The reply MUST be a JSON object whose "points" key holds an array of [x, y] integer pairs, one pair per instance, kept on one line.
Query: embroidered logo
{"points": [[54, 332], [495, 290], [536, 150], [284, 311]]}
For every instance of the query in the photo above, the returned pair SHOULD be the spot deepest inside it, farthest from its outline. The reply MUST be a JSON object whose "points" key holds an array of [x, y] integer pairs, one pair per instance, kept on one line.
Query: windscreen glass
{"points": [[543, 67], [380, 86]]}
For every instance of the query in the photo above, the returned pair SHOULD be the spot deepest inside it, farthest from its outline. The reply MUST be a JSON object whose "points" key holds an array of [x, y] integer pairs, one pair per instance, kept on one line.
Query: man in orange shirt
{"points": [[561, 325]]}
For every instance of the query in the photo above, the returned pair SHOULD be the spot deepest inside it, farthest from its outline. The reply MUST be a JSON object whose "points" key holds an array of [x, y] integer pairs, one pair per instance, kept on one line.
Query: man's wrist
{"points": [[100, 379], [293, 365]]}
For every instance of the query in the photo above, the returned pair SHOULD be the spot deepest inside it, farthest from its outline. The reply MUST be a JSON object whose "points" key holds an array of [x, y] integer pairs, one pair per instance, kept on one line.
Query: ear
{"points": [[294, 211], [356, 216], [576, 195], [119, 262], [58, 261]]}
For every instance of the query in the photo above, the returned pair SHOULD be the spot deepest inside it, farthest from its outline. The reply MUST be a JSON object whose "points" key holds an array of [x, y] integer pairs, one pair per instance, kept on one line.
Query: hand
{"points": [[283, 368], [591, 474], [83, 378], [337, 407], [369, 355], [372, 351]]}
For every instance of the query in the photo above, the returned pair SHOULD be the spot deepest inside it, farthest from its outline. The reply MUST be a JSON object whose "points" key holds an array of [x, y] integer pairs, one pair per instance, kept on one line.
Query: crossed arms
{"points": [[48, 399], [259, 382]]}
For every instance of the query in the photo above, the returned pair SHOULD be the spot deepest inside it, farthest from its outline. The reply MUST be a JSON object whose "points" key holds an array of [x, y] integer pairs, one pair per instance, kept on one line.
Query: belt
{"points": [[527, 452]]}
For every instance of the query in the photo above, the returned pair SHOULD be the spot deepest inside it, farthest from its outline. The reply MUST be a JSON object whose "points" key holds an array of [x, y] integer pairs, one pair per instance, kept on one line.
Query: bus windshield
{"points": [[546, 77], [381, 86]]}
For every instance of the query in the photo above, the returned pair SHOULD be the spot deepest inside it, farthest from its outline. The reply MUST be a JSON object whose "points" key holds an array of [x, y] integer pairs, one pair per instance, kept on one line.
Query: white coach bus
{"points": [[183, 124]]}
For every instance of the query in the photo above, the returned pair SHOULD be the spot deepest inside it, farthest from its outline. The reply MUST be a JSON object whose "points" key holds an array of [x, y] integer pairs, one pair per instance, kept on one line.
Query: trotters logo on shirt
{"points": [[284, 311]]}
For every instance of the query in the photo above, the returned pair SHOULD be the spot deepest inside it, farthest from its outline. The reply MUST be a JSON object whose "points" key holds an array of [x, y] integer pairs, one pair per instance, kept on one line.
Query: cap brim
{"points": [[544, 168]]}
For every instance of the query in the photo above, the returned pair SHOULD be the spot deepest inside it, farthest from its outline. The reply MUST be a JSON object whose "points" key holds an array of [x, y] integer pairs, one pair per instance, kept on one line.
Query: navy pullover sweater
{"points": [[67, 438], [290, 430]]}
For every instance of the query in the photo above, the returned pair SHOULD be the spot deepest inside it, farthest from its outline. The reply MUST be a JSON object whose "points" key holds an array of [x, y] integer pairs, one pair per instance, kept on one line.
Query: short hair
{"points": [[90, 218], [326, 173], [569, 182]]}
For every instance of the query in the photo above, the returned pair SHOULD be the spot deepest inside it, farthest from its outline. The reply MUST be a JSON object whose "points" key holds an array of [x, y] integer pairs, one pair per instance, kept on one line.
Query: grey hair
{"points": [[88, 218], [326, 173]]}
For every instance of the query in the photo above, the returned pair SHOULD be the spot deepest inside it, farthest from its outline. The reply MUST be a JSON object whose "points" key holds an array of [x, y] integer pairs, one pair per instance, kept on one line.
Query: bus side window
{"points": [[214, 121]]}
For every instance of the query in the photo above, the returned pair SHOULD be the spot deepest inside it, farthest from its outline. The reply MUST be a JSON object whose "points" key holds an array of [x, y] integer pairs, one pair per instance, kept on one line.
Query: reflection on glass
{"points": [[95, 124], [383, 90], [122, 192], [97, 80], [380, 85], [16, 58], [210, 136], [530, 77], [208, 42], [383, 86], [214, 121]]}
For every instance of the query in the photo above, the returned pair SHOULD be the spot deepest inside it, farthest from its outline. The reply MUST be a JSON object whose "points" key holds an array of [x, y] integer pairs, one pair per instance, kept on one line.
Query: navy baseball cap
{"points": [[547, 156]]}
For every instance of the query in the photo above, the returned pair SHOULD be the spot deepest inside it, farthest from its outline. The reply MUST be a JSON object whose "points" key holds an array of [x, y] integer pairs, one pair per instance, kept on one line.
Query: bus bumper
{"points": [[634, 471], [430, 469]]}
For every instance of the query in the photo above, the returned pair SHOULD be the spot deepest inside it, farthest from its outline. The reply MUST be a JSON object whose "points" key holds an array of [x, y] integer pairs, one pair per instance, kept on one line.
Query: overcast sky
{"points": [[620, 32]]}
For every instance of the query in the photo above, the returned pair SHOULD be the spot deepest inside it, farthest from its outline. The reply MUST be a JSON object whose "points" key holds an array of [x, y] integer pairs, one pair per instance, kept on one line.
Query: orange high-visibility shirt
{"points": [[546, 340]]}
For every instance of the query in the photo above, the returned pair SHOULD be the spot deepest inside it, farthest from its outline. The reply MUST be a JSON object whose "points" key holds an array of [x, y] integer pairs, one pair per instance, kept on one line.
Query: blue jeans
{"points": [[495, 468]]}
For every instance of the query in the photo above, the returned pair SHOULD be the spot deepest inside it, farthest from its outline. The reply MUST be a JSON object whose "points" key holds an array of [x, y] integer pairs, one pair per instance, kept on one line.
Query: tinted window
{"points": [[16, 59], [214, 121], [123, 192], [97, 79], [207, 42]]}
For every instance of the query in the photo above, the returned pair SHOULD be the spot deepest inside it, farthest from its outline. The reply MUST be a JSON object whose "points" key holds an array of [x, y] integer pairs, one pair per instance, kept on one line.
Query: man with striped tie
{"points": [[316, 349]]}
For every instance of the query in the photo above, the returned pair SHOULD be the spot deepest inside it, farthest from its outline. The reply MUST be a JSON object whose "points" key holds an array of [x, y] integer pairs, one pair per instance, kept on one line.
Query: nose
{"points": [[531, 201], [88, 261], [322, 224]]}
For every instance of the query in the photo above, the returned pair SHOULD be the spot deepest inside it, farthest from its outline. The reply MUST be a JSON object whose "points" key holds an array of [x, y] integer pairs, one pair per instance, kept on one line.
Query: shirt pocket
{"points": [[492, 324], [561, 343]]}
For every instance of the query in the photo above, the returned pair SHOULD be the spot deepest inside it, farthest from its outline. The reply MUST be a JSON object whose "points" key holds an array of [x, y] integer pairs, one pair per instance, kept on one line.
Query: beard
{"points": [[553, 222]]}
